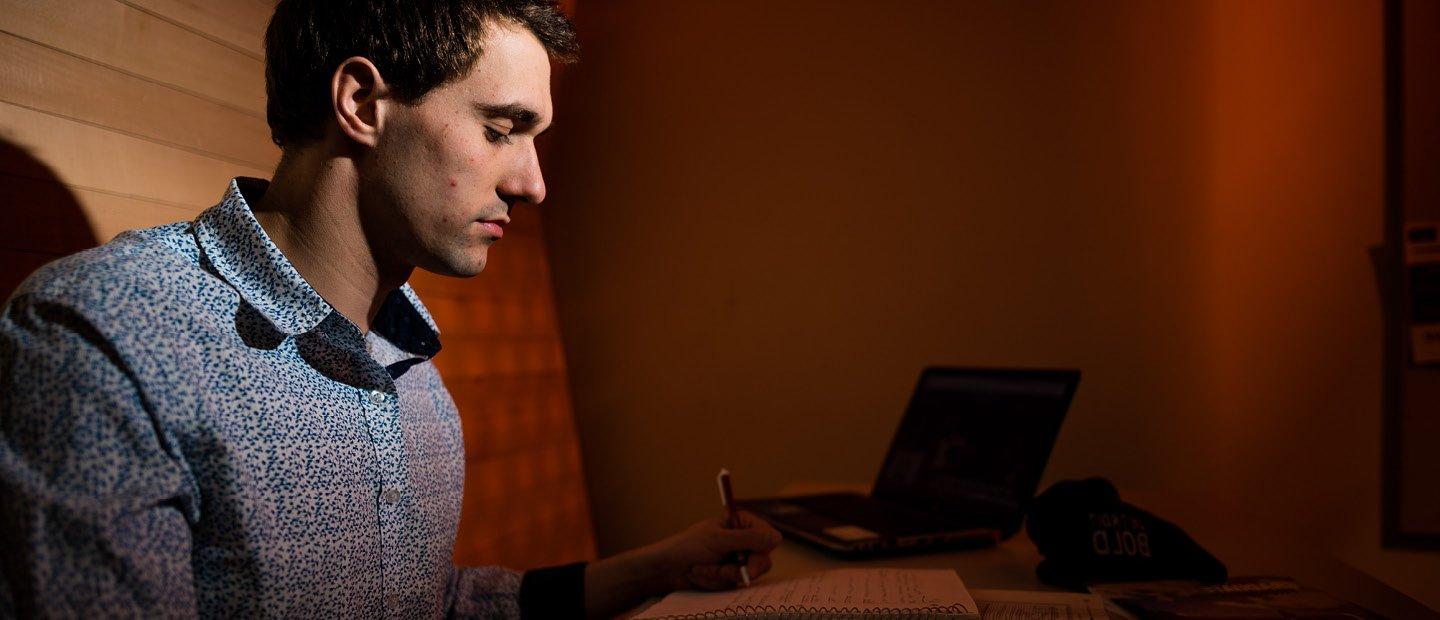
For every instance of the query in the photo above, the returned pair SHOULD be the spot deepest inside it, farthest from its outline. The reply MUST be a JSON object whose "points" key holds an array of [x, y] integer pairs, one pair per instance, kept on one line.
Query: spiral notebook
{"points": [[839, 593]]}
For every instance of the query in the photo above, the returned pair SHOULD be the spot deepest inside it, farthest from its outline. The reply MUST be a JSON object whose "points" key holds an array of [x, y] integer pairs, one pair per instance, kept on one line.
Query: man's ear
{"points": [[359, 97]]}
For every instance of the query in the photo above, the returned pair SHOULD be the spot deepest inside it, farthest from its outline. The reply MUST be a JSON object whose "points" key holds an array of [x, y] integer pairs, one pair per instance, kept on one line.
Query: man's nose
{"points": [[525, 183]]}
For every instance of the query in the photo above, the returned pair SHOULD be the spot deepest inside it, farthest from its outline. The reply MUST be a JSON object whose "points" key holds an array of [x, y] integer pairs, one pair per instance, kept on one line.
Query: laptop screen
{"points": [[974, 442]]}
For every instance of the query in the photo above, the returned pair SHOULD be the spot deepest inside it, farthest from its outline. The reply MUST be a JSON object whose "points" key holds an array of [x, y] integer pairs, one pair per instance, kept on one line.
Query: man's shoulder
{"points": [[136, 269]]}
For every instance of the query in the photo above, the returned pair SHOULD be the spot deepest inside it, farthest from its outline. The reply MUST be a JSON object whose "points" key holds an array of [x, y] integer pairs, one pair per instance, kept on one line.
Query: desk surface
{"points": [[1011, 565]]}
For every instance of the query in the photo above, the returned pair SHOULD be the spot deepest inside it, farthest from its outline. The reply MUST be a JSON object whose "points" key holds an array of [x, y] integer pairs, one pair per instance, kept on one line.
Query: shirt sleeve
{"points": [[557, 592], [93, 510], [495, 592]]}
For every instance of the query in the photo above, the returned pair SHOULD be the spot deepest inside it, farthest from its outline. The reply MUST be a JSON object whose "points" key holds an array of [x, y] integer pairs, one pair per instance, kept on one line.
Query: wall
{"points": [[774, 215], [119, 114], [115, 117]]}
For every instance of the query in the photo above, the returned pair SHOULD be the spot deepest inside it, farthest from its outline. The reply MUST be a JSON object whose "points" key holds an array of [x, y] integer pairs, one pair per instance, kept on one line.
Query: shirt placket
{"points": [[382, 413]]}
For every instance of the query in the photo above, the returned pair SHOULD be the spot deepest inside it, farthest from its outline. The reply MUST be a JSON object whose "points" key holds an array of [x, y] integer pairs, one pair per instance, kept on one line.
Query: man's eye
{"points": [[495, 136]]}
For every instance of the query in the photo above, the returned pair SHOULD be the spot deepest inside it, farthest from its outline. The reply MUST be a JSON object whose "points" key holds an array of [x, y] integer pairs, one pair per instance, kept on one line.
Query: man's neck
{"points": [[311, 212]]}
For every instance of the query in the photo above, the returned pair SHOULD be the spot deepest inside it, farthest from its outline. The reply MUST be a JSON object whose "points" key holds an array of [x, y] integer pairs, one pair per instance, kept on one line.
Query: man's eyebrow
{"points": [[517, 113]]}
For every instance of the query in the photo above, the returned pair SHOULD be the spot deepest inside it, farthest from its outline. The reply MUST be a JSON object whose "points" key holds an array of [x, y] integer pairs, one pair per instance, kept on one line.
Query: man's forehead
{"points": [[511, 77]]}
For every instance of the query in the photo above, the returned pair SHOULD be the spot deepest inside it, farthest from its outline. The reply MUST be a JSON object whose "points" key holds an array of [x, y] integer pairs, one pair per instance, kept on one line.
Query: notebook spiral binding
{"points": [[801, 612]]}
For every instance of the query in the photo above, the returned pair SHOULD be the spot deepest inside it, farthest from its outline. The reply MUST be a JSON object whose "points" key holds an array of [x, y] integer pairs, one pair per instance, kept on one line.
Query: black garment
{"points": [[1088, 535]]}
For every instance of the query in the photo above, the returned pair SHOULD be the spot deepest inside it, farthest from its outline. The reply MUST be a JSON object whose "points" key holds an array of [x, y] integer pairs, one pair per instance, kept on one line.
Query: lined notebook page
{"points": [[846, 591]]}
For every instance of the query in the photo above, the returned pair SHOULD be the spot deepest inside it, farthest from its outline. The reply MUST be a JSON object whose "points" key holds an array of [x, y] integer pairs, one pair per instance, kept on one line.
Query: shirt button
{"points": [[377, 397], [390, 496]]}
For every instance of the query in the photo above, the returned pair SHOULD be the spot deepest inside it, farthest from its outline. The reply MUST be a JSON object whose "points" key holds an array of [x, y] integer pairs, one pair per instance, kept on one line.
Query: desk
{"points": [[1011, 565]]}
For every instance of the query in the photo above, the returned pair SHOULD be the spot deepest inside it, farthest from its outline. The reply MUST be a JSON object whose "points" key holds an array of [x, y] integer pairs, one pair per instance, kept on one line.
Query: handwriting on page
{"points": [[851, 589], [844, 588]]}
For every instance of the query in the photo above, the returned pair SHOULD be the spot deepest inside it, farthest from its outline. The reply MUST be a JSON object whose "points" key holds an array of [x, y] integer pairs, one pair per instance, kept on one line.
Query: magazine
{"points": [[1238, 598]]}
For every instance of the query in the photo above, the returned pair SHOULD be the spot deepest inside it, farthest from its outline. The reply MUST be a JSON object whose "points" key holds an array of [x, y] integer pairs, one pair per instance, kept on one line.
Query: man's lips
{"points": [[496, 227]]}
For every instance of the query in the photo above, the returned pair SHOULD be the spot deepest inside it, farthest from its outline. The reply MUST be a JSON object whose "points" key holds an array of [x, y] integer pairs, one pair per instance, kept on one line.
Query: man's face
{"points": [[438, 186]]}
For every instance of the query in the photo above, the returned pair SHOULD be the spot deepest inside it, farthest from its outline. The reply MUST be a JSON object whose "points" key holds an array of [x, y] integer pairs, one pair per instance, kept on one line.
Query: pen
{"points": [[732, 521]]}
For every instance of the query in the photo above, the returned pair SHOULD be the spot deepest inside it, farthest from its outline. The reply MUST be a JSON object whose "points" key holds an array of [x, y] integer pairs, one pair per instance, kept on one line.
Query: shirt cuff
{"points": [[555, 592]]}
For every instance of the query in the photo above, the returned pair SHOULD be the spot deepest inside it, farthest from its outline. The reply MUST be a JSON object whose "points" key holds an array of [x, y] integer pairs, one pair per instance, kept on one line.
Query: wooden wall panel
{"points": [[91, 156], [99, 218], [468, 319], [43, 79], [121, 114], [238, 24], [136, 42], [504, 364]]}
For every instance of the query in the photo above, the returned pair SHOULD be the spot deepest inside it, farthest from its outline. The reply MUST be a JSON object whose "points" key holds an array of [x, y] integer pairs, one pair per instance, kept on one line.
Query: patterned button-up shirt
{"points": [[187, 427]]}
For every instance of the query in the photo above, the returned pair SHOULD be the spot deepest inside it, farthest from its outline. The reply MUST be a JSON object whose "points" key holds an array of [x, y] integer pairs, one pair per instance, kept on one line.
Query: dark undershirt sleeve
{"points": [[555, 592]]}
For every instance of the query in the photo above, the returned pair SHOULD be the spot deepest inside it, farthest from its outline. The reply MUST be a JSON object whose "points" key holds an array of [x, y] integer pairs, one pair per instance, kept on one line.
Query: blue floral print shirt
{"points": [[187, 427]]}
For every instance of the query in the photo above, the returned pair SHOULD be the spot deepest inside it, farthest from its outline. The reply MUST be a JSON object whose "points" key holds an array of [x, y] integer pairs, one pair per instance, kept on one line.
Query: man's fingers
{"points": [[755, 535], [749, 519], [748, 540]]}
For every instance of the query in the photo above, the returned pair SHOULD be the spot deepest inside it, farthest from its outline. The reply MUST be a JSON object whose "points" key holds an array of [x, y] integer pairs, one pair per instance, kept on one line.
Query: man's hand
{"points": [[695, 558]]}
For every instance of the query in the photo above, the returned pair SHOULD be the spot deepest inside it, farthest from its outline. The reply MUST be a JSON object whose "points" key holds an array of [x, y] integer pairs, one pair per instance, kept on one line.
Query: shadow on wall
{"points": [[42, 218]]}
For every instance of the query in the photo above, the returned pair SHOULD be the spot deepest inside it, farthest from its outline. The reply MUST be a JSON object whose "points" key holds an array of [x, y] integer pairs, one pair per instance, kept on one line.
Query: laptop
{"points": [[960, 472]]}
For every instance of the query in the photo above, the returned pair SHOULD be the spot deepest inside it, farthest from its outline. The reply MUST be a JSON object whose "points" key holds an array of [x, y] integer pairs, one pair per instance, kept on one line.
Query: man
{"points": [[237, 416]]}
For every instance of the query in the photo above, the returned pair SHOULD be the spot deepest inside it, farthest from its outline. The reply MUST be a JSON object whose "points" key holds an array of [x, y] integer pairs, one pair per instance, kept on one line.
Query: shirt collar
{"points": [[240, 252]]}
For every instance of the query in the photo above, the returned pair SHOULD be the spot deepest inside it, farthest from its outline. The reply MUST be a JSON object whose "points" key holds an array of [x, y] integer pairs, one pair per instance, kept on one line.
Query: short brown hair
{"points": [[417, 45]]}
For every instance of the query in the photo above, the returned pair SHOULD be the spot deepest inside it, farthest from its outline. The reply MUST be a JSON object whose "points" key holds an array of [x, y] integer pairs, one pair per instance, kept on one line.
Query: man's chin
{"points": [[456, 268]]}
